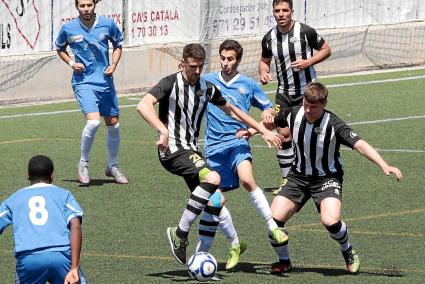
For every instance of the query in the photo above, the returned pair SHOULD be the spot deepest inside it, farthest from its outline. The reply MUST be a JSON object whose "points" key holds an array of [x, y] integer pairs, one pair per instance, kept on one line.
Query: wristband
{"points": [[71, 63]]}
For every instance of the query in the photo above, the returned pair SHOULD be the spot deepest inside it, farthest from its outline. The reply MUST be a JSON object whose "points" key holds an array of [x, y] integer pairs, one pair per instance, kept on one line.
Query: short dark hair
{"points": [[40, 167], [194, 50], [316, 92], [94, 2], [230, 44], [291, 5]]}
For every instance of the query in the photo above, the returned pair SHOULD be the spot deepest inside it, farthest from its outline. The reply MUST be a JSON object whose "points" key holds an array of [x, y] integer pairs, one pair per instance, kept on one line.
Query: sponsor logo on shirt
{"points": [[294, 39], [101, 36], [318, 130], [76, 38], [199, 164], [241, 90]]}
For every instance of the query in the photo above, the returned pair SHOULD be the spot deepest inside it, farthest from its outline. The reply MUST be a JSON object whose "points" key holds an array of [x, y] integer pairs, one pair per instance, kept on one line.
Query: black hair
{"points": [[40, 168], [230, 44], [94, 2], [194, 50], [291, 5]]}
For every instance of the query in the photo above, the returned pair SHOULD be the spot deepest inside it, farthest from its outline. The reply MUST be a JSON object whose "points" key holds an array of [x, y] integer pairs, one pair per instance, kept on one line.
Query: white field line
{"points": [[50, 112], [369, 82], [387, 120], [347, 84]]}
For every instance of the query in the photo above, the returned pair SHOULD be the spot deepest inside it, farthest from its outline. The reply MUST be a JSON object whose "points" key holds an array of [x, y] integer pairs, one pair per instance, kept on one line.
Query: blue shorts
{"points": [[105, 103], [42, 267], [225, 163]]}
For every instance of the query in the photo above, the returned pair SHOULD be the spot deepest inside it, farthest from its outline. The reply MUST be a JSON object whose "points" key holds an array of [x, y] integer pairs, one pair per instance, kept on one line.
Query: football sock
{"points": [[285, 158], [227, 227], [113, 143], [207, 228], [196, 204], [260, 203], [339, 232], [282, 250], [87, 137]]}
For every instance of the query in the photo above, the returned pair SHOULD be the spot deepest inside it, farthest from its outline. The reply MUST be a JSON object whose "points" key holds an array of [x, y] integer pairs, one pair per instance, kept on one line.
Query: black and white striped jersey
{"points": [[181, 108], [317, 144], [299, 42]]}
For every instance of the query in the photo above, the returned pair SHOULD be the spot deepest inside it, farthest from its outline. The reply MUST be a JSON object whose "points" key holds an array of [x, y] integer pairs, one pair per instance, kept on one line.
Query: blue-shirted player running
{"points": [[46, 228], [88, 37], [231, 157]]}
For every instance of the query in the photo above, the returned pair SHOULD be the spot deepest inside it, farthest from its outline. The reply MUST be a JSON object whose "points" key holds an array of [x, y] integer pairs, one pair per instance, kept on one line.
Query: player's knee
{"points": [[111, 120], [248, 183], [212, 177], [92, 125], [328, 220]]}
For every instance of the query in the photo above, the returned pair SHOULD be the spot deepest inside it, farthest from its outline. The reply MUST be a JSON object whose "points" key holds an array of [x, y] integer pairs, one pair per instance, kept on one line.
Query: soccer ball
{"points": [[202, 266]]}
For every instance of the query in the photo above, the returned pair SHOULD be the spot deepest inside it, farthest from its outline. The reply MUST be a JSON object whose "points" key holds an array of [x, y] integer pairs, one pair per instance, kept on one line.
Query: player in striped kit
{"points": [[291, 44], [46, 228], [182, 99], [317, 171]]}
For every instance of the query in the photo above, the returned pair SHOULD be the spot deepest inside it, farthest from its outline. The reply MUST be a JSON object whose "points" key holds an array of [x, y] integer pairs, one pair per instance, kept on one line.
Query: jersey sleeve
{"points": [[344, 133], [281, 119], [116, 36], [314, 40], [214, 95], [5, 216], [163, 88], [72, 208], [62, 39], [266, 50], [260, 99]]}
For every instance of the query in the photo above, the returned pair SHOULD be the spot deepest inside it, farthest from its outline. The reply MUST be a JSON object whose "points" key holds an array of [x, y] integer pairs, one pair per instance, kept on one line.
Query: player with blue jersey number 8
{"points": [[46, 228]]}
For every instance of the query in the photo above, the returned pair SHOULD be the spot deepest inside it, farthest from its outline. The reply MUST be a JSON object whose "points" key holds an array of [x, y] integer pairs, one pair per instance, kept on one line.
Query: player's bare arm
{"points": [[76, 240], [116, 56], [369, 152], [323, 53], [264, 70], [271, 139], [77, 67], [146, 110]]}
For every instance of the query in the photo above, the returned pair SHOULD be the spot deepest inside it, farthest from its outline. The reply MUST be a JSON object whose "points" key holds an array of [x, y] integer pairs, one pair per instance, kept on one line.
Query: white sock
{"points": [[113, 143], [227, 228], [87, 137], [259, 200]]}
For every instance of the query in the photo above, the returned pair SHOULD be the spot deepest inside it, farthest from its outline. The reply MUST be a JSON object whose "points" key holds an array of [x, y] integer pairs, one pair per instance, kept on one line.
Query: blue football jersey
{"points": [[241, 91], [40, 215], [90, 47]]}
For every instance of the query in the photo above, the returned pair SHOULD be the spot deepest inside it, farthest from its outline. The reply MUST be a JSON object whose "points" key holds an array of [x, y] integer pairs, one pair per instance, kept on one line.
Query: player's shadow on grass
{"points": [[258, 269], [93, 182], [183, 276], [265, 269]]}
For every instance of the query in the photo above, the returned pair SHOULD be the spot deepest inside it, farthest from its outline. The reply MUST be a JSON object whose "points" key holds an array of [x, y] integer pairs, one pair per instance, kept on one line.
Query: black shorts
{"points": [[284, 101], [188, 164], [300, 188]]}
